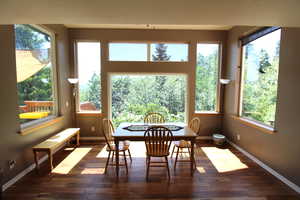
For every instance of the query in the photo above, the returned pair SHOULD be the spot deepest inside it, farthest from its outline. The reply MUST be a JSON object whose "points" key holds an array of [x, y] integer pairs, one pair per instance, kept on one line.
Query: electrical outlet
{"points": [[238, 136], [93, 129], [11, 164]]}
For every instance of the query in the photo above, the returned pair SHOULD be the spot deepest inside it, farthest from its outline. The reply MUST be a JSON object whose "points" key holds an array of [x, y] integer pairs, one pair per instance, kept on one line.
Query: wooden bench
{"points": [[50, 145]]}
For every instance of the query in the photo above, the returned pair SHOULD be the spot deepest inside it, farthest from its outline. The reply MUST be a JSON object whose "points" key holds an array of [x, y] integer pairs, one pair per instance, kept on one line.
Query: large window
{"points": [[259, 76], [35, 74], [88, 65], [154, 52], [132, 96], [207, 76]]}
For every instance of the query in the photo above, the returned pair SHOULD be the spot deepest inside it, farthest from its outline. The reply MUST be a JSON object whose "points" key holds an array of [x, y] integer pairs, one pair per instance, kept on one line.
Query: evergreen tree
{"points": [[120, 92], [94, 91], [206, 81], [161, 53], [263, 61], [27, 37], [37, 87]]}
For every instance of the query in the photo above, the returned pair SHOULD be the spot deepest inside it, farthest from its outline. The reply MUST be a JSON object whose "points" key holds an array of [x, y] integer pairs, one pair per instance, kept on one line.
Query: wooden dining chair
{"points": [[194, 124], [158, 140], [108, 130], [154, 118]]}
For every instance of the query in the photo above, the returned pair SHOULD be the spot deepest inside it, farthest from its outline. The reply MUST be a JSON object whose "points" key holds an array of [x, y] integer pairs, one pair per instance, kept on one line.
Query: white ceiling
{"points": [[149, 26], [160, 13]]}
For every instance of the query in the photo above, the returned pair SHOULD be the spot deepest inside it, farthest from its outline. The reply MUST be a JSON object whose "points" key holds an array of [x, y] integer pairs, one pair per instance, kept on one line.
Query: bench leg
{"points": [[77, 139], [36, 160], [50, 160]]}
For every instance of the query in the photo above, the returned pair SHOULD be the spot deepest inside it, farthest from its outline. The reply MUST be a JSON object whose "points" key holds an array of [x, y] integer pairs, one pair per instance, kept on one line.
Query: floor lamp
{"points": [[73, 82]]}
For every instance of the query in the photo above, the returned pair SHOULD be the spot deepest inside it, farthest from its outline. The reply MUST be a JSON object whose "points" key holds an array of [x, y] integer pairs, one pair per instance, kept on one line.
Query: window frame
{"points": [[258, 33], [218, 92], [148, 43], [77, 97], [33, 125]]}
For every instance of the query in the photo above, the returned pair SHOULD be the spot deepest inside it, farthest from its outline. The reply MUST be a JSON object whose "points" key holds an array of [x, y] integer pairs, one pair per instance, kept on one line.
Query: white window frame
{"points": [[247, 120], [218, 99], [77, 98]]}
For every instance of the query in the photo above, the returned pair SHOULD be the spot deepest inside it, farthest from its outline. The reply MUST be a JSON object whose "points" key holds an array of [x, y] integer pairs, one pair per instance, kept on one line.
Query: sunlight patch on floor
{"points": [[93, 171], [65, 166], [223, 159], [93, 168], [201, 170], [103, 153]]}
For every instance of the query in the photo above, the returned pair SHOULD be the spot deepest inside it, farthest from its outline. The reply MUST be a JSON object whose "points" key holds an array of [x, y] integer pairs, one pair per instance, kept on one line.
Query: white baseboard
{"points": [[26, 171], [266, 167], [22, 174]]}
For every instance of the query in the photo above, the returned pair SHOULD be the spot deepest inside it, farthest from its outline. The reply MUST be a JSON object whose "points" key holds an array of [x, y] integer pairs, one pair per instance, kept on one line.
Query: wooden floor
{"points": [[222, 173]]}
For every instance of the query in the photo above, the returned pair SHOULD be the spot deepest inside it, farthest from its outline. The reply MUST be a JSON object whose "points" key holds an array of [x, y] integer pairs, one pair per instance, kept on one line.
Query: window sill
{"points": [[30, 129], [250, 123], [207, 113], [89, 113]]}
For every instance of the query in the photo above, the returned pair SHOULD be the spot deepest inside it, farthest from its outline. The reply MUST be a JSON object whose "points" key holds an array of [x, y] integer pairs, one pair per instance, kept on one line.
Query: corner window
{"points": [[151, 52], [207, 76], [89, 68], [260, 65], [35, 74]]}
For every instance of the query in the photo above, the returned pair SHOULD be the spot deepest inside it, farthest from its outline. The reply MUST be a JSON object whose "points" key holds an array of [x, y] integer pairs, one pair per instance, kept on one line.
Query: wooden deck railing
{"points": [[37, 106]]}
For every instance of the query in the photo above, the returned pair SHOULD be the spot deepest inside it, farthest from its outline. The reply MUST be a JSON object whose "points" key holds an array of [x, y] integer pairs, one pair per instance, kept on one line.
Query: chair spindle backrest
{"points": [[108, 130], [158, 140], [154, 118], [195, 125]]}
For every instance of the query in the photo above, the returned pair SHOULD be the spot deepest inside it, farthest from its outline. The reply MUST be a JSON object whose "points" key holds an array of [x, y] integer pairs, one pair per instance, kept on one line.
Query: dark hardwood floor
{"points": [[222, 173]]}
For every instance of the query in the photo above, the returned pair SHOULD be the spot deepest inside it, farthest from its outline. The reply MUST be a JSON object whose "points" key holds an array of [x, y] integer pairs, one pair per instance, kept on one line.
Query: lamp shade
{"points": [[73, 80], [224, 81]]}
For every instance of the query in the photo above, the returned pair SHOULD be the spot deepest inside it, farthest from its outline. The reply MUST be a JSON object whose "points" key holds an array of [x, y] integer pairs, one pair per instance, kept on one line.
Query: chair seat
{"points": [[183, 144], [123, 146]]}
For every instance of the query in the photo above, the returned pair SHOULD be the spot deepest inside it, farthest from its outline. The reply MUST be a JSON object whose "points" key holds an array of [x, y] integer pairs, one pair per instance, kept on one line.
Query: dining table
{"points": [[135, 132]]}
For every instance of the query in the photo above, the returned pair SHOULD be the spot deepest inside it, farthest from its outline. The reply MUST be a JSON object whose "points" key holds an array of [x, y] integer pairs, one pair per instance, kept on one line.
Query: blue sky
{"points": [[268, 43], [89, 54]]}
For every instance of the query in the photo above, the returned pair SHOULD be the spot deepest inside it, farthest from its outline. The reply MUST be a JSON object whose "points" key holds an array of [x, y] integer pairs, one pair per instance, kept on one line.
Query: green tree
{"points": [[161, 53], [206, 81], [94, 91], [120, 92], [263, 61], [38, 87], [29, 38], [260, 89]]}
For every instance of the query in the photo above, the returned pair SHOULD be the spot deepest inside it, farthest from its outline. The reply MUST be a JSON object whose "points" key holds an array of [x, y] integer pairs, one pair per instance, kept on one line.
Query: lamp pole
{"points": [[73, 82]]}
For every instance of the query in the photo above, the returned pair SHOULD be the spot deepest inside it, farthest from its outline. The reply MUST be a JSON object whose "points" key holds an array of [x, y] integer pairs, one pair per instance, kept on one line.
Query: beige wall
{"points": [[210, 123], [13, 145], [279, 150]]}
